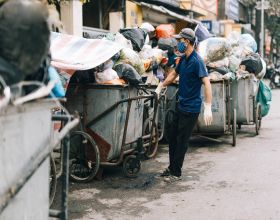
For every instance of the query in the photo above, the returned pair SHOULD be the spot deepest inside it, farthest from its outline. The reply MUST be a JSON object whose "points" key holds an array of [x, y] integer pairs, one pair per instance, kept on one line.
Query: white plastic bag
{"points": [[234, 63], [106, 75], [249, 41], [131, 57], [213, 49], [121, 40], [233, 38], [220, 63]]}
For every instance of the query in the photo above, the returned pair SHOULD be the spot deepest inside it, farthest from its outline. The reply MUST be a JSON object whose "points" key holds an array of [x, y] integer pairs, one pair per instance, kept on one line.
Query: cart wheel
{"points": [[52, 180], [131, 166], [148, 129], [234, 129], [84, 157], [258, 119]]}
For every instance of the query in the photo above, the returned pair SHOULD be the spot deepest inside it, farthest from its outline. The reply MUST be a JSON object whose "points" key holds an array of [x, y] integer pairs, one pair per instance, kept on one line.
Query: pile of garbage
{"points": [[146, 55], [25, 71], [143, 57], [234, 57]]}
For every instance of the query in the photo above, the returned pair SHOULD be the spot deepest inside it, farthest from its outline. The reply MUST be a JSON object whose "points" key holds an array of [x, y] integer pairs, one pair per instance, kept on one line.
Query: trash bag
{"points": [[154, 54], [131, 57], [233, 38], [201, 33], [234, 63], [261, 74], [164, 31], [160, 74], [167, 44], [229, 76], [220, 63], [58, 90], [241, 51], [252, 63], [222, 70], [137, 37], [24, 36], [248, 40], [213, 49], [121, 40], [105, 76], [128, 73], [264, 97], [215, 76]]}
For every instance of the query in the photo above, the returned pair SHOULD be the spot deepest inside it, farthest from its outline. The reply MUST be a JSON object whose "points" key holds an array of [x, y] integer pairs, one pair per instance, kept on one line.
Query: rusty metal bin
{"points": [[113, 116], [92, 100]]}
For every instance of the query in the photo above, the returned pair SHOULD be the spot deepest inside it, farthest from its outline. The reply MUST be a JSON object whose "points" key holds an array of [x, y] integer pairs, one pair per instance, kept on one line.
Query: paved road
{"points": [[220, 182]]}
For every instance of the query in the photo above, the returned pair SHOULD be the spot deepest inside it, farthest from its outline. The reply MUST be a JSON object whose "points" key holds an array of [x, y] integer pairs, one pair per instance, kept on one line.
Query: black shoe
{"points": [[165, 173]]}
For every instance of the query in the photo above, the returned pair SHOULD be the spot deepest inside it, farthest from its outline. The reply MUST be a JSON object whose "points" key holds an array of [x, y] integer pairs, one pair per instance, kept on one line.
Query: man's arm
{"points": [[170, 78], [207, 89]]}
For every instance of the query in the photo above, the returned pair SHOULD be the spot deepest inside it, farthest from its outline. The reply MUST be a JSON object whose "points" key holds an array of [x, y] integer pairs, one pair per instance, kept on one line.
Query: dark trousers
{"points": [[180, 132]]}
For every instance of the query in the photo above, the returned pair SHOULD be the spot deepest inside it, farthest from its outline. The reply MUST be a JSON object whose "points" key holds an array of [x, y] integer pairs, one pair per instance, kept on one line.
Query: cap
{"points": [[186, 33]]}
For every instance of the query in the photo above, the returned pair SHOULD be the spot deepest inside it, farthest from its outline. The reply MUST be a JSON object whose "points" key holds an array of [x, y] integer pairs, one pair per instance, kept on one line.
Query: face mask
{"points": [[181, 47]]}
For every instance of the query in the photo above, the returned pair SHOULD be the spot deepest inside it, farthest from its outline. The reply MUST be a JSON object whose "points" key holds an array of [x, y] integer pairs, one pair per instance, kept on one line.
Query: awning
{"points": [[167, 11], [70, 52]]}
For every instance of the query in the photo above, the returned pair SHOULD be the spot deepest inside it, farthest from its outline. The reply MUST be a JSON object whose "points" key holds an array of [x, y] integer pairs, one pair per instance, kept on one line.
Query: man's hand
{"points": [[207, 114]]}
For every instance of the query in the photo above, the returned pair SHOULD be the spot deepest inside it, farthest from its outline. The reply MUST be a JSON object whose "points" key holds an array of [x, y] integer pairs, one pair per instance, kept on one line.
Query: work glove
{"points": [[207, 114], [158, 89]]}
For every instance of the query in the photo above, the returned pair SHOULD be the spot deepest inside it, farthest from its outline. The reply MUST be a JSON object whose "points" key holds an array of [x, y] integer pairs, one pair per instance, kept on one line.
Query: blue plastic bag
{"points": [[58, 90]]}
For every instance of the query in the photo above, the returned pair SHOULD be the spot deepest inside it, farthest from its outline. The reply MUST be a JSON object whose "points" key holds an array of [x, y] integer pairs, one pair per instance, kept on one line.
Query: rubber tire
{"points": [[97, 156], [53, 181], [234, 129], [150, 151], [128, 172]]}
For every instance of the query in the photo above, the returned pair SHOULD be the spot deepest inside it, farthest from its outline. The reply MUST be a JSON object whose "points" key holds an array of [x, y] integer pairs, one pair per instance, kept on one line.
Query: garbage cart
{"points": [[149, 113], [111, 130], [25, 140], [224, 122], [244, 92]]}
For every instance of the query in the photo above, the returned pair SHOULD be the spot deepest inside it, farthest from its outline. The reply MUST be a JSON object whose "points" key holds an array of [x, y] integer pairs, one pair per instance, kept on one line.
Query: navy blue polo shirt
{"points": [[190, 69]]}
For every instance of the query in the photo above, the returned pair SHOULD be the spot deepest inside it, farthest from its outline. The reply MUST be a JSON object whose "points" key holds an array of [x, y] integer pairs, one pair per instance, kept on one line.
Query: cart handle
{"points": [[98, 117]]}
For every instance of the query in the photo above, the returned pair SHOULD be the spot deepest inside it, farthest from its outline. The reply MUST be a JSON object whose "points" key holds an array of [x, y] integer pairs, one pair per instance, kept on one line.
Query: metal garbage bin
{"points": [[223, 121], [24, 139], [244, 92], [112, 115]]}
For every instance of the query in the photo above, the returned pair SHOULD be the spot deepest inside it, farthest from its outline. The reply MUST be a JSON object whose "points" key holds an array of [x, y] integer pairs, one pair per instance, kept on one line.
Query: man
{"points": [[192, 73]]}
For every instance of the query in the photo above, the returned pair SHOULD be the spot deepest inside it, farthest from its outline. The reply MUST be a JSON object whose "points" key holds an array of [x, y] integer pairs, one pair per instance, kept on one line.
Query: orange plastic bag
{"points": [[165, 31]]}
